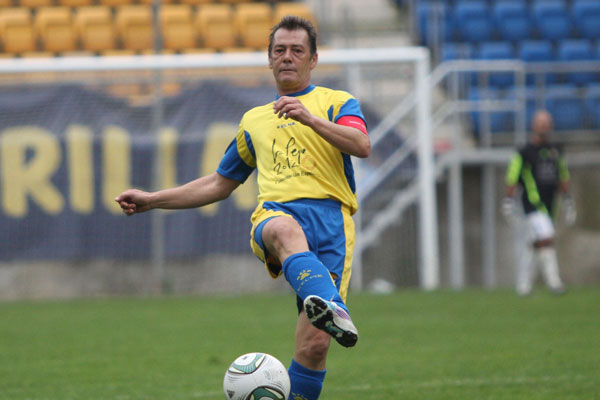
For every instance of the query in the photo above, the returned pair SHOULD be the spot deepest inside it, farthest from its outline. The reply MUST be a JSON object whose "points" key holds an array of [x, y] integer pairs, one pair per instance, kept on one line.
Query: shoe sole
{"points": [[322, 317]]}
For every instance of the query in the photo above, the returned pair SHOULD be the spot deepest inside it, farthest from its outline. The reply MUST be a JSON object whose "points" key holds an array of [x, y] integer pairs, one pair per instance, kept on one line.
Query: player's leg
{"points": [[308, 368], [550, 270], [546, 253], [526, 266]]}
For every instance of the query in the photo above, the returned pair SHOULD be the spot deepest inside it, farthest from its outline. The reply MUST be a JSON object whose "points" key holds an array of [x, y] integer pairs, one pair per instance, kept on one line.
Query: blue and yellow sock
{"points": [[308, 276], [306, 384]]}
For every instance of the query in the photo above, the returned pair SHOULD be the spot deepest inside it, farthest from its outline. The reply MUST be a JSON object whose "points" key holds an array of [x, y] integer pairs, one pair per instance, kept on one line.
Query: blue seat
{"points": [[499, 121], [552, 19], [577, 50], [512, 20], [586, 14], [435, 22], [537, 51], [592, 103], [456, 51], [498, 51], [473, 20], [566, 106]]}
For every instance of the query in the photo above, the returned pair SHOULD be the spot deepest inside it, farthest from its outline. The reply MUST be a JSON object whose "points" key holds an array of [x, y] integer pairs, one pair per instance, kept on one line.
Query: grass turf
{"points": [[446, 345]]}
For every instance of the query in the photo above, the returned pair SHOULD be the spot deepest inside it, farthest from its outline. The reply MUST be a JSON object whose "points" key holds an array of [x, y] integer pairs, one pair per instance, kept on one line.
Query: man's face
{"points": [[542, 126], [291, 61]]}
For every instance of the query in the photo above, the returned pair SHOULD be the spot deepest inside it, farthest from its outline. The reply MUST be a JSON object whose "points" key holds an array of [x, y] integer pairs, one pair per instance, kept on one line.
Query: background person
{"points": [[540, 171]]}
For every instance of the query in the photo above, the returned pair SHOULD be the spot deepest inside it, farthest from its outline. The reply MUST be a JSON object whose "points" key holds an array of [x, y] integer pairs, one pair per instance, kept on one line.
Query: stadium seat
{"points": [[177, 27], [95, 28], [16, 30], [498, 51], [134, 27], [300, 9], [195, 2], [552, 19], [435, 23], [566, 106], [54, 26], [253, 23], [473, 20], [499, 121], [512, 21], [74, 3], [537, 51], [577, 50], [592, 104], [214, 23], [115, 3], [587, 18], [456, 51], [35, 3], [6, 3]]}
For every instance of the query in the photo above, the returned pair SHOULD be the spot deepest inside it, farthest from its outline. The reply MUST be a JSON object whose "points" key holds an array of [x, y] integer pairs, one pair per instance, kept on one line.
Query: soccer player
{"points": [[301, 145], [540, 170]]}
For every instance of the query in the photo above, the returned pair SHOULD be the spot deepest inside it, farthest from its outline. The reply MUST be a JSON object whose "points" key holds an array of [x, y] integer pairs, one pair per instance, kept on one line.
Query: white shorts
{"points": [[540, 226]]}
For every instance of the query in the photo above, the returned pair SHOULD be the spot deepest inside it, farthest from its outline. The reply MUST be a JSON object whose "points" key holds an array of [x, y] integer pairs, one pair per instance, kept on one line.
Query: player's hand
{"points": [[290, 107], [569, 210], [508, 207], [134, 201]]}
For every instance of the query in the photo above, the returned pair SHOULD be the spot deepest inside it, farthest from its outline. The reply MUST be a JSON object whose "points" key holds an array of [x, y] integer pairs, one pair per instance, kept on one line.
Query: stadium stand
{"points": [[592, 104], [54, 26], [540, 32], [253, 22], [95, 29], [17, 31]]}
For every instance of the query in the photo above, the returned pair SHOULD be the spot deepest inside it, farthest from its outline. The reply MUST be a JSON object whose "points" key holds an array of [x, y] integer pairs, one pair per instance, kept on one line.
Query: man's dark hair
{"points": [[292, 23]]}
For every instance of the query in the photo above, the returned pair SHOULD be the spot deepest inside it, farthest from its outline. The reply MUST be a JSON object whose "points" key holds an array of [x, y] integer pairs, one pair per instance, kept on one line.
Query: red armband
{"points": [[353, 122]]}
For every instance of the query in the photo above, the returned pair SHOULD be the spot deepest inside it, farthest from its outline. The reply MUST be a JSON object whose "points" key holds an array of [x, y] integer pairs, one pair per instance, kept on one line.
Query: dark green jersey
{"points": [[539, 171]]}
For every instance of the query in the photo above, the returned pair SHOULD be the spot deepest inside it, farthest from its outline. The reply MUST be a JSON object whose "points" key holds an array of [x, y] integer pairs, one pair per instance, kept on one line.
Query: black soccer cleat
{"points": [[329, 317]]}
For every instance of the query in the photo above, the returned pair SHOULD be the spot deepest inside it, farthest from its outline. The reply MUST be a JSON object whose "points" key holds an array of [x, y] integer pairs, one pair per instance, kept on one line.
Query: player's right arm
{"points": [[197, 193]]}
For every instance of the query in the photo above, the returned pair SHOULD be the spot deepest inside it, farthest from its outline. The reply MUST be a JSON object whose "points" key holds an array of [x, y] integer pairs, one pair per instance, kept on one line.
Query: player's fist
{"points": [[134, 201]]}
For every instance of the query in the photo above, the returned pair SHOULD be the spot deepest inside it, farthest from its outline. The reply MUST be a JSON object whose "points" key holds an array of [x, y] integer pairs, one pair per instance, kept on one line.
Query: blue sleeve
{"points": [[232, 166], [350, 107]]}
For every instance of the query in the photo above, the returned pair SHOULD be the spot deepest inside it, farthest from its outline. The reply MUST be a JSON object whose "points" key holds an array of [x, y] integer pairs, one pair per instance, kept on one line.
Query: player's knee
{"points": [[282, 231]]}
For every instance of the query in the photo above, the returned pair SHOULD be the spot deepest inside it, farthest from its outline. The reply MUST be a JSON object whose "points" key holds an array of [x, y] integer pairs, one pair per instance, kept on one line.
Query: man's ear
{"points": [[270, 62], [315, 59]]}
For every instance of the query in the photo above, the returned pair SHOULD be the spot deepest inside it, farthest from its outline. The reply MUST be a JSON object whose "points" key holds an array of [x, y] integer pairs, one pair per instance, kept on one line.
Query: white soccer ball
{"points": [[256, 376]]}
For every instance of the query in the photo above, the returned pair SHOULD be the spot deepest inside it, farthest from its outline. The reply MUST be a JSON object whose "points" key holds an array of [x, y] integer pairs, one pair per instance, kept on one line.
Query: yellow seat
{"points": [[299, 9], [75, 3], [234, 1], [196, 2], [134, 27], [177, 27], [35, 3], [95, 29], [16, 30], [253, 23], [115, 3], [151, 2], [215, 26], [54, 26], [6, 3]]}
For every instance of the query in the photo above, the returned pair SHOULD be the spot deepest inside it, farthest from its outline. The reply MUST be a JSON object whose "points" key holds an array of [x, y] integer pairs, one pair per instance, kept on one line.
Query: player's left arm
{"points": [[351, 138]]}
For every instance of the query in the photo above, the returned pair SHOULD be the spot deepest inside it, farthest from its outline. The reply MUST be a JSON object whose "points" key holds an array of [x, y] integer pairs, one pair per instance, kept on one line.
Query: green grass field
{"points": [[413, 345]]}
